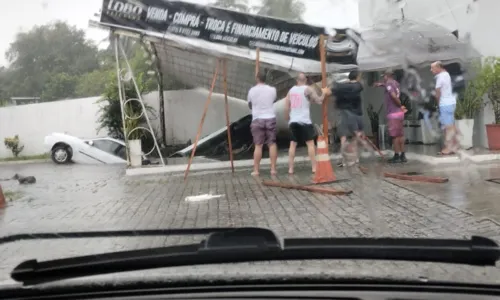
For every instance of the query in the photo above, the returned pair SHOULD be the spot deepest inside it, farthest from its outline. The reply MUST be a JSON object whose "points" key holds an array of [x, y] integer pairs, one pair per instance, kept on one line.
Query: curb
{"points": [[433, 160], [219, 165], [24, 162], [210, 166]]}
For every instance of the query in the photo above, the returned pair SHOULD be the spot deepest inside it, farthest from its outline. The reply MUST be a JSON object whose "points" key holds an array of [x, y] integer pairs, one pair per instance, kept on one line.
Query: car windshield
{"points": [[332, 119], [109, 146]]}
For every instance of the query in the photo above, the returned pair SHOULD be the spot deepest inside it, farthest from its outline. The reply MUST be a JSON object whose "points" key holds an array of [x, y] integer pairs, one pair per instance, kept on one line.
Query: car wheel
{"points": [[61, 154]]}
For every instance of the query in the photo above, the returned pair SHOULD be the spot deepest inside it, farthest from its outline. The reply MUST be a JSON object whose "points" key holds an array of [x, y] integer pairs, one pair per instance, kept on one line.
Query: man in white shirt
{"points": [[261, 99], [447, 102]]}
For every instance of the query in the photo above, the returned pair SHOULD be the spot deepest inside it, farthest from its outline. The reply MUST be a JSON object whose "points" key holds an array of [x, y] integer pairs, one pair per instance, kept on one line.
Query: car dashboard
{"points": [[274, 291], [331, 295]]}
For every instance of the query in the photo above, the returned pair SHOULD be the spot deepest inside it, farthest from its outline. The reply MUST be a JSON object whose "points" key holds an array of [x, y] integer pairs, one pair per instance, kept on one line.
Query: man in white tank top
{"points": [[298, 114]]}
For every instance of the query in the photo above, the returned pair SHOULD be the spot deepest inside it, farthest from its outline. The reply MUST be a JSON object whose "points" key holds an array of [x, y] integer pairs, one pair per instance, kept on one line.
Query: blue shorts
{"points": [[447, 115]]}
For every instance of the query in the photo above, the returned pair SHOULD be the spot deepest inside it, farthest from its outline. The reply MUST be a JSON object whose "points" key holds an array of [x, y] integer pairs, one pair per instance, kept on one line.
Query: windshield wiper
{"points": [[257, 244], [110, 233]]}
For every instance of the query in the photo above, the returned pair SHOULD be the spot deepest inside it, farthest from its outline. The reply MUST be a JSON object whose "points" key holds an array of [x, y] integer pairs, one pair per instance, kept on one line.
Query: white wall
{"points": [[32, 122], [78, 117], [184, 108]]}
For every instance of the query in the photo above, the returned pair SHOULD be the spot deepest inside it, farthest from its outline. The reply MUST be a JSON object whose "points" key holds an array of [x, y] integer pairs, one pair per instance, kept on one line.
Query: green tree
{"points": [[46, 51], [485, 80], [93, 83], [237, 5], [142, 65], [59, 86], [491, 75], [290, 10], [110, 118], [4, 83]]}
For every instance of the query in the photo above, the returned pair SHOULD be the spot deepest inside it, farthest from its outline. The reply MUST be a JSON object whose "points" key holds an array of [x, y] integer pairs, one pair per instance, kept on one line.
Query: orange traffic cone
{"points": [[3, 203], [324, 169]]}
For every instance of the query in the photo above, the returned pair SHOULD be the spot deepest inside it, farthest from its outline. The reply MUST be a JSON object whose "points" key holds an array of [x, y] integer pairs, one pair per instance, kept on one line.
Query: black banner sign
{"points": [[217, 26]]}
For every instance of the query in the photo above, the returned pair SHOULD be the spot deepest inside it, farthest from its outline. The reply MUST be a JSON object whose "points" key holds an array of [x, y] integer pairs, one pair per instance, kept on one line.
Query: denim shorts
{"points": [[447, 115]]}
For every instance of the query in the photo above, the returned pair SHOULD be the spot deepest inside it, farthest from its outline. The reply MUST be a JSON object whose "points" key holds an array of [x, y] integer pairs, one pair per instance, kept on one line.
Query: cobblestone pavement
{"points": [[78, 198]]}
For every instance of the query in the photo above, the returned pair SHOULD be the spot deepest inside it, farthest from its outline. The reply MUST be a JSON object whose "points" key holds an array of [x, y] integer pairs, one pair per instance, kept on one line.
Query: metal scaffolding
{"points": [[125, 75]]}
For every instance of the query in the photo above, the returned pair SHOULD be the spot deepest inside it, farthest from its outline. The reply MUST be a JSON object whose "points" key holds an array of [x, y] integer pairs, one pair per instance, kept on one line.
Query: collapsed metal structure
{"points": [[123, 77], [181, 45]]}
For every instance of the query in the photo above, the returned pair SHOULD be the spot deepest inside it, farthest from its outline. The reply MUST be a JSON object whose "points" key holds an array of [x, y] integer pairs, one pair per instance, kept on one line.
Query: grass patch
{"points": [[11, 196], [27, 157]]}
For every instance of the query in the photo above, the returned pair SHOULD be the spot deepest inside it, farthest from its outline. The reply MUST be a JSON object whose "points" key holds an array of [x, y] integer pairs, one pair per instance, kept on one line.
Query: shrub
{"points": [[14, 145]]}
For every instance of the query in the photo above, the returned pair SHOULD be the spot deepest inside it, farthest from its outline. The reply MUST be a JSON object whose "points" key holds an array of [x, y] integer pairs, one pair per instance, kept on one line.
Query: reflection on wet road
{"points": [[468, 190]]}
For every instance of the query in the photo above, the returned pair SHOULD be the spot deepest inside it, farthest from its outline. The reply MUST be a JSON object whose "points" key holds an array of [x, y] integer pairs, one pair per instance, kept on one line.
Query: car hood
{"points": [[307, 270]]}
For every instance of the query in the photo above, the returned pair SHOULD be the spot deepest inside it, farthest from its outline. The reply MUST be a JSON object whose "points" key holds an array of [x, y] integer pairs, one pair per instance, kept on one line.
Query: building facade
{"points": [[479, 18]]}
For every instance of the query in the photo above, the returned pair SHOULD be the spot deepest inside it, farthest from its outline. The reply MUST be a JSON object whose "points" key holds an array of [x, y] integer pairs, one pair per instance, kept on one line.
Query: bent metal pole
{"points": [[200, 127], [257, 61], [120, 95], [3, 202], [226, 105]]}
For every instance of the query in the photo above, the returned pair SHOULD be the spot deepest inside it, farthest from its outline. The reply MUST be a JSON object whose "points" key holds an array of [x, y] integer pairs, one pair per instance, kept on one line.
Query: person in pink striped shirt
{"points": [[395, 116]]}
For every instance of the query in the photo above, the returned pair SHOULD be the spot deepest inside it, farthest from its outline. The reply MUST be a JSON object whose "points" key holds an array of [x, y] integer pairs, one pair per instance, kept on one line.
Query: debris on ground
{"points": [[24, 179]]}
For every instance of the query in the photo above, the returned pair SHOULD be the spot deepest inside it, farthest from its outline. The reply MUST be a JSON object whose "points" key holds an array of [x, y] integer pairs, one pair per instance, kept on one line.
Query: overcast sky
{"points": [[21, 15]]}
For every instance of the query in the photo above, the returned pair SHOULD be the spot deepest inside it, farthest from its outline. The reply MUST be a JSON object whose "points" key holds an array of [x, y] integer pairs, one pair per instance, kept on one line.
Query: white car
{"points": [[65, 148]]}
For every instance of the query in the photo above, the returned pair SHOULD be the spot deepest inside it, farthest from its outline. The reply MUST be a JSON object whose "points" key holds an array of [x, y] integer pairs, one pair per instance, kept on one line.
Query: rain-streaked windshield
{"points": [[318, 118]]}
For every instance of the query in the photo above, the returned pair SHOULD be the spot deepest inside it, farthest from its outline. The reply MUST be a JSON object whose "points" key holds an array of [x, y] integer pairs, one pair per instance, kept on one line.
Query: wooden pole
{"points": [[3, 202], [417, 178], [226, 103], [308, 188], [322, 53], [200, 127], [257, 61]]}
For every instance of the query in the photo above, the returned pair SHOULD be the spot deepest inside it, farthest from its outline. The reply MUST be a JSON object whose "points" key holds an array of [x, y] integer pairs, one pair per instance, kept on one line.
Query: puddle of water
{"points": [[204, 197]]}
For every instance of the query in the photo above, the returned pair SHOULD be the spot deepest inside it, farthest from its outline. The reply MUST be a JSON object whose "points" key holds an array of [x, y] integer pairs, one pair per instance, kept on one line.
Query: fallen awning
{"points": [[224, 33], [416, 43]]}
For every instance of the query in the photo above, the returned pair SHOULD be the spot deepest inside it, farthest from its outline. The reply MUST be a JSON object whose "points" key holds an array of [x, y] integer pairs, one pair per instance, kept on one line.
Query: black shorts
{"points": [[349, 123], [302, 132]]}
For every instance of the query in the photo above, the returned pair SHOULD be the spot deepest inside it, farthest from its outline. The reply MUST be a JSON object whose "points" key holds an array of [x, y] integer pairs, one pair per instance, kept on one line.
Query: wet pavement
{"points": [[79, 197], [473, 188]]}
